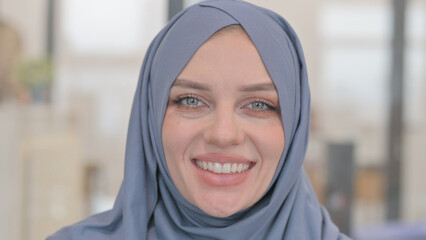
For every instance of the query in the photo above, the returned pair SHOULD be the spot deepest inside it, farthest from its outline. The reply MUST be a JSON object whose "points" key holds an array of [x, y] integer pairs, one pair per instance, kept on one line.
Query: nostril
{"points": [[223, 136]]}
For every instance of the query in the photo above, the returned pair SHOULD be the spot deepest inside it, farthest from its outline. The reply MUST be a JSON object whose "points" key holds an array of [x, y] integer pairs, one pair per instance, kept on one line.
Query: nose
{"points": [[224, 129]]}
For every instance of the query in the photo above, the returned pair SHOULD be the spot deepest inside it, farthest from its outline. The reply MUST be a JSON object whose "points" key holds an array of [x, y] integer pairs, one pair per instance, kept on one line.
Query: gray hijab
{"points": [[149, 206]]}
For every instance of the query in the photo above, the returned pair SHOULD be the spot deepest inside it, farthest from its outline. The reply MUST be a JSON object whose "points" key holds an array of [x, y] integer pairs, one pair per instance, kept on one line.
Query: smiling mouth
{"points": [[223, 168]]}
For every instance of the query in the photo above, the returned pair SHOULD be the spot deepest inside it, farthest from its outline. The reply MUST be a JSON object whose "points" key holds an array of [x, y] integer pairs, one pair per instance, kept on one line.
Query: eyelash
{"points": [[179, 102], [269, 106]]}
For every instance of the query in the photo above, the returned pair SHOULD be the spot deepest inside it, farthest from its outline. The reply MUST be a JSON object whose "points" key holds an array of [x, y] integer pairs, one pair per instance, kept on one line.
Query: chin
{"points": [[219, 212], [220, 205]]}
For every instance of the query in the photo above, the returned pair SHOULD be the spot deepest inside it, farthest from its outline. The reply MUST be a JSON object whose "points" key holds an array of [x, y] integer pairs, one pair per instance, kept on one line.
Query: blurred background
{"points": [[69, 69]]}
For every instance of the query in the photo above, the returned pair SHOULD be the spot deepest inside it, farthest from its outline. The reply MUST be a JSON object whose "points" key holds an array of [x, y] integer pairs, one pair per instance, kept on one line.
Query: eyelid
{"points": [[181, 97], [262, 100]]}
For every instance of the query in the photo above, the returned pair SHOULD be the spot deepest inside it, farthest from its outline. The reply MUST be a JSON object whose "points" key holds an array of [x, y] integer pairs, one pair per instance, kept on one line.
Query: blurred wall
{"points": [[62, 156], [61, 159]]}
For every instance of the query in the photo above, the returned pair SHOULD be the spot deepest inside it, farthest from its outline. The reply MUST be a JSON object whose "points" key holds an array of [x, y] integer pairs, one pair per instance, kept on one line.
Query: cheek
{"points": [[174, 145], [172, 138], [177, 135], [270, 143]]}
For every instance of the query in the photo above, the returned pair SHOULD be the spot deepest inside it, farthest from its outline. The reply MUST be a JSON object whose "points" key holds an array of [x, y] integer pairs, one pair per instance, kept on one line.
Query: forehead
{"points": [[229, 56]]}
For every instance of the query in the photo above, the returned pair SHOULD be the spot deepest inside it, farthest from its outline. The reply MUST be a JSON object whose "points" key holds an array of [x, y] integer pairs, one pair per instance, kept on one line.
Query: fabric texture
{"points": [[149, 206]]}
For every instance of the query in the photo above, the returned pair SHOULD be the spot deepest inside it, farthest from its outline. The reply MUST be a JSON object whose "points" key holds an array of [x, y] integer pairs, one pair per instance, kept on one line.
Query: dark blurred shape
{"points": [[396, 110], [10, 55], [340, 168], [91, 186], [175, 6], [50, 47]]}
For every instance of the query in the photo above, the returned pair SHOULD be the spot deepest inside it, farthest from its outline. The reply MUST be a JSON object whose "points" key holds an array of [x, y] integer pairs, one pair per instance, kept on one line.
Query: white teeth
{"points": [[245, 167], [205, 166], [199, 164], [217, 168], [240, 167], [211, 168], [234, 167], [225, 168]]}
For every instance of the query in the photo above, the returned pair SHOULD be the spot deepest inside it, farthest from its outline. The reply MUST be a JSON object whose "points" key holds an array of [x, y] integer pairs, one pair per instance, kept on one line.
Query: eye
{"points": [[188, 101], [191, 101], [259, 106], [190, 105]]}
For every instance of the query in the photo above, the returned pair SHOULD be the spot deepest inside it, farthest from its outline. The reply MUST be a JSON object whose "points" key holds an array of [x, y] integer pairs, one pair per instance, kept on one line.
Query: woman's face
{"points": [[222, 132]]}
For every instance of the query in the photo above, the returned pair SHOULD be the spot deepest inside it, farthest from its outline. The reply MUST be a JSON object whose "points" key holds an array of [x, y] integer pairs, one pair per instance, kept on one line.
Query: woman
{"points": [[217, 135]]}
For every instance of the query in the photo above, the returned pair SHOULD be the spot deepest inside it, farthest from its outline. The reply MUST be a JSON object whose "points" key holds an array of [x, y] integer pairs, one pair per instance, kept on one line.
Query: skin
{"points": [[223, 107]]}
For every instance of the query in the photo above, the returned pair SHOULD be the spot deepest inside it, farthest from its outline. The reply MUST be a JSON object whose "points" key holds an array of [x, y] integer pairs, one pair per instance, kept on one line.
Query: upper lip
{"points": [[222, 158]]}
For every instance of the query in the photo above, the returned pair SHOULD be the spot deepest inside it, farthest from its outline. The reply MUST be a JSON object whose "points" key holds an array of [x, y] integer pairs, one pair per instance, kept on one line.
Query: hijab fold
{"points": [[149, 206]]}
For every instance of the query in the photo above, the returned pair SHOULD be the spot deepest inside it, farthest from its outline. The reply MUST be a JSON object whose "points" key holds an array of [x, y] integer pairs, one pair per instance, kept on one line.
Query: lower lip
{"points": [[221, 180]]}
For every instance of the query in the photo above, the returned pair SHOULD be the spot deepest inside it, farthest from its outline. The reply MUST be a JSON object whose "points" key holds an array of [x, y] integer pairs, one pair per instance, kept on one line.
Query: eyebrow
{"points": [[258, 87], [185, 83]]}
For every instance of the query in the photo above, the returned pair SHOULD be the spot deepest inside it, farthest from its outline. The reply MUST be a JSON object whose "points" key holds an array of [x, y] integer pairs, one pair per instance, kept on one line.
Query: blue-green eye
{"points": [[191, 101], [259, 106], [188, 101]]}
